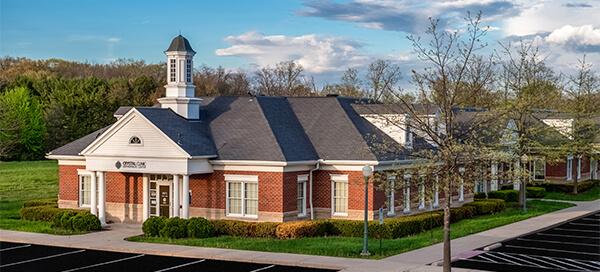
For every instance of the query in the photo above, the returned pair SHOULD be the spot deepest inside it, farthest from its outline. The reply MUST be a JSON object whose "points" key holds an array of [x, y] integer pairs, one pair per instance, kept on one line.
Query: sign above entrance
{"points": [[130, 164]]}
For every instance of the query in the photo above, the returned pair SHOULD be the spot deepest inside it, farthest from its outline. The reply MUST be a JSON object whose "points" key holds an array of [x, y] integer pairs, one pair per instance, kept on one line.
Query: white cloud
{"points": [[583, 35], [317, 54]]}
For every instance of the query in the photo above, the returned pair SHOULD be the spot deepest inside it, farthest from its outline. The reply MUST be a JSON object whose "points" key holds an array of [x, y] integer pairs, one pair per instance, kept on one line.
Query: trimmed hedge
{"points": [[266, 229], [86, 222], [297, 229], [153, 225], [44, 213], [199, 227], [53, 202], [567, 188], [175, 227], [480, 195], [506, 195], [486, 206], [232, 227], [535, 192]]}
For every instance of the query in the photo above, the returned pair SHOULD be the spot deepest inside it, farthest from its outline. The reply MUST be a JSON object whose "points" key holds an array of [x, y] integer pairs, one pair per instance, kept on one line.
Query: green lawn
{"points": [[22, 181], [589, 195], [351, 247]]}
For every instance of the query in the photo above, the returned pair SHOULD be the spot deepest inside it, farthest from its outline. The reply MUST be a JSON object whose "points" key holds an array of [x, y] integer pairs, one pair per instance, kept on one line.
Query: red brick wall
{"points": [[124, 187], [68, 182], [290, 190]]}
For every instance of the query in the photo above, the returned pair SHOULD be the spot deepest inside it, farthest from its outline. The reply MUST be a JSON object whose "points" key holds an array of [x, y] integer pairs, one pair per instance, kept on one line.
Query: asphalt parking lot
{"points": [[569, 246], [31, 257]]}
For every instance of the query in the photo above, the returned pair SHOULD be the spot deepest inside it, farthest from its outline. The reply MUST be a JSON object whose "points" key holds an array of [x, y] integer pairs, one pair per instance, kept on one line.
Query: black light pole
{"points": [[367, 172]]}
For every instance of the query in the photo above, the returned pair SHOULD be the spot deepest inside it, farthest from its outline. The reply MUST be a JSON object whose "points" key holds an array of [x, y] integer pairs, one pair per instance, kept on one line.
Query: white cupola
{"points": [[180, 89]]}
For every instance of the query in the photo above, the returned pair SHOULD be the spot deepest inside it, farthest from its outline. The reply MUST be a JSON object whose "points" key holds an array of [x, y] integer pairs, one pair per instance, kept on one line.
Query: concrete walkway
{"points": [[417, 260]]}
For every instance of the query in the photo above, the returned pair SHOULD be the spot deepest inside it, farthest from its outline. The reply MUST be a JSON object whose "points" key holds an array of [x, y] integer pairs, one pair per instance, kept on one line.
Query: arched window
{"points": [[135, 140]]}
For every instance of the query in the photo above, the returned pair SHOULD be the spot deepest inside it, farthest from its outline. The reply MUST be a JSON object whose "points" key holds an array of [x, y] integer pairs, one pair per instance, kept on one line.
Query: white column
{"points": [[146, 201], [436, 199], [461, 189], [494, 184], [421, 197], [102, 197], [94, 202], [186, 197], [407, 193], [176, 193]]}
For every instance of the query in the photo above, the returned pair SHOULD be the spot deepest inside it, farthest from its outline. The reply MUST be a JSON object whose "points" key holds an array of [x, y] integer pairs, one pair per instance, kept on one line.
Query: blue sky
{"points": [[325, 36]]}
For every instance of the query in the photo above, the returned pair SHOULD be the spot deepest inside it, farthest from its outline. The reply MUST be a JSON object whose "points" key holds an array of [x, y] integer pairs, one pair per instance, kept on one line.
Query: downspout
{"points": [[310, 179]]}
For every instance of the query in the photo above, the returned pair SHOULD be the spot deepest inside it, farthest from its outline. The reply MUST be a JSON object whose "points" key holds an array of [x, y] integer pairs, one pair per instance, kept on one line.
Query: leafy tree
{"points": [[22, 127]]}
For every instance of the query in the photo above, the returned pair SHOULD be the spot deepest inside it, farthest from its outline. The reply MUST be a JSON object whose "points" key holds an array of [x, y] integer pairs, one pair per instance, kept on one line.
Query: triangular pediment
{"points": [[134, 136]]}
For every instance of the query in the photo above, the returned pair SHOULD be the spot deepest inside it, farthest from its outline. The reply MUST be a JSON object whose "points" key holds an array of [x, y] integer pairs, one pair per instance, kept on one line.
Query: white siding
{"points": [[154, 143]]}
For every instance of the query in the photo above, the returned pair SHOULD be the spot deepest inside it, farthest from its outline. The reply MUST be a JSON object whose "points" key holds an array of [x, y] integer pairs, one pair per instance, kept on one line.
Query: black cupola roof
{"points": [[180, 44]]}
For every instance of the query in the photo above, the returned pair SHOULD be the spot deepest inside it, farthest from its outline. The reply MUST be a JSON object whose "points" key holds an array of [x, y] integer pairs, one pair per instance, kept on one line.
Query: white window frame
{"points": [[342, 179], [84, 173], [172, 70], [593, 169], [141, 143], [390, 198], [422, 192], [244, 180], [302, 180], [569, 168], [535, 162]]}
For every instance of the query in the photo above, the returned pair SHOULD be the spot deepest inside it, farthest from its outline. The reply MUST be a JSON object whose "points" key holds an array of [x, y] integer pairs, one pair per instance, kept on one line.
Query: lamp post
{"points": [[525, 160], [367, 172]]}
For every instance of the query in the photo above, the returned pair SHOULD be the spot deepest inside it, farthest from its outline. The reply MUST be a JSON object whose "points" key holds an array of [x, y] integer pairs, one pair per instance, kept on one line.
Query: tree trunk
{"points": [[447, 252], [575, 185]]}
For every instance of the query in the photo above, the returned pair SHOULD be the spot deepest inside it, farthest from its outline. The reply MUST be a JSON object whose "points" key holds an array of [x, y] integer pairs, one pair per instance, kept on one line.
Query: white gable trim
{"points": [[123, 122]]}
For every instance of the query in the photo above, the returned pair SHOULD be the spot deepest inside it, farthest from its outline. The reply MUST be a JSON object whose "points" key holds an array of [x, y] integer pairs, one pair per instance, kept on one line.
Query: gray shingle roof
{"points": [[73, 148], [180, 44]]}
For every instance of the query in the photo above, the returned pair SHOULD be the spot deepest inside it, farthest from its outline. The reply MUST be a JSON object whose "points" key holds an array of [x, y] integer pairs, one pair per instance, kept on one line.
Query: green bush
{"points": [[66, 220], [199, 227], [39, 213], [41, 202], [506, 195], [175, 228], [398, 227], [460, 213], [153, 225], [486, 206], [535, 192], [266, 230], [480, 195], [567, 188], [506, 187], [86, 222]]}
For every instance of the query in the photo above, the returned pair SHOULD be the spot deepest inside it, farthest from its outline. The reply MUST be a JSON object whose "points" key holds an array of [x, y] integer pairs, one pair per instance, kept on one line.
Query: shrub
{"points": [[480, 195], [199, 227], [41, 202], [398, 227], [66, 220], [266, 229], [460, 213], [536, 192], [86, 222], [39, 213], [567, 188], [153, 225], [506, 187], [506, 195], [326, 228], [487, 206], [297, 229], [232, 227], [175, 227]]}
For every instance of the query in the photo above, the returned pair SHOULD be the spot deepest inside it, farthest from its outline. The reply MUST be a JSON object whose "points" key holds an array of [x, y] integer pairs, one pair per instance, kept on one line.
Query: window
{"points": [[539, 170], [85, 190], [242, 195], [134, 140], [390, 194], [339, 194], [188, 74], [301, 195], [173, 74], [569, 168]]}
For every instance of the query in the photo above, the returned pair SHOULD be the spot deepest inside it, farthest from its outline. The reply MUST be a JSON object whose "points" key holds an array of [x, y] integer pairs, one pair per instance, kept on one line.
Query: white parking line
{"points": [[175, 267], [555, 250], [100, 264], [576, 230], [264, 268], [567, 236], [42, 258], [10, 248], [555, 242]]}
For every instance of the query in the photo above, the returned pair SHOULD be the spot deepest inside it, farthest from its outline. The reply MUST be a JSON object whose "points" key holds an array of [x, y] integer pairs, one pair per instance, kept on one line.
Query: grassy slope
{"points": [[589, 195], [22, 181], [351, 247]]}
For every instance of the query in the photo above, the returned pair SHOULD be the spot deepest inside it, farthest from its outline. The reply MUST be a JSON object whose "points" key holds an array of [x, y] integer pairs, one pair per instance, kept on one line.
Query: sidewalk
{"points": [[417, 260]]}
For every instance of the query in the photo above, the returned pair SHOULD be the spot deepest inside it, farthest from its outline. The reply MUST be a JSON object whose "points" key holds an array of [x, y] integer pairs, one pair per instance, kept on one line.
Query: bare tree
{"points": [[382, 78], [284, 80]]}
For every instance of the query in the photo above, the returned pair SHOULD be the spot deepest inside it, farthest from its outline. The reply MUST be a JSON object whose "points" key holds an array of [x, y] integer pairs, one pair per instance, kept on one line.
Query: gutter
{"points": [[311, 187]]}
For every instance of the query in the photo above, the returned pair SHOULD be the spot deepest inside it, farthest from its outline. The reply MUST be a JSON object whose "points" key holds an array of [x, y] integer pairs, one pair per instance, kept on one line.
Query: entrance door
{"points": [[164, 201]]}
